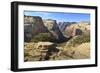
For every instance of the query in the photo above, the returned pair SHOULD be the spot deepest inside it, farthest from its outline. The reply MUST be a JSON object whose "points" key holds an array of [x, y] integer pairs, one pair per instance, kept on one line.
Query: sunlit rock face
{"points": [[63, 25], [77, 29], [53, 28]]}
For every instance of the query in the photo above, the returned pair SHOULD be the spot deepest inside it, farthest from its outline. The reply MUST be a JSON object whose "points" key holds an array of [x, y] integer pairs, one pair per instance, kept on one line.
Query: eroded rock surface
{"points": [[54, 29], [43, 51], [40, 51]]}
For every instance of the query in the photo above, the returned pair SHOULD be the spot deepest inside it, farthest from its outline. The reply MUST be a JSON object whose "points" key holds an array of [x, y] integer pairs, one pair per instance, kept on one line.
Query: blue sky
{"points": [[60, 16]]}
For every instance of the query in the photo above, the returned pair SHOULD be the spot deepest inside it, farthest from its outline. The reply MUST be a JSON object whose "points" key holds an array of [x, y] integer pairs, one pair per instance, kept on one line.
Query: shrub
{"points": [[79, 40], [42, 37]]}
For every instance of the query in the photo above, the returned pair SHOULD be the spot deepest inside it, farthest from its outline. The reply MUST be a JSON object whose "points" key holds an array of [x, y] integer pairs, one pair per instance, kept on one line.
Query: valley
{"points": [[45, 39]]}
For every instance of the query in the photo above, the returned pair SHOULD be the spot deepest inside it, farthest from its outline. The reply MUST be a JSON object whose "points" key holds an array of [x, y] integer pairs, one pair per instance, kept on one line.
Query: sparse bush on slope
{"points": [[77, 40]]}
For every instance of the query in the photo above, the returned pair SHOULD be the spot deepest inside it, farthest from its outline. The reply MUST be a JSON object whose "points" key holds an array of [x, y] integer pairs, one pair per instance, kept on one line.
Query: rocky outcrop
{"points": [[43, 51], [53, 28], [40, 51], [77, 29], [63, 25], [81, 51], [32, 26]]}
